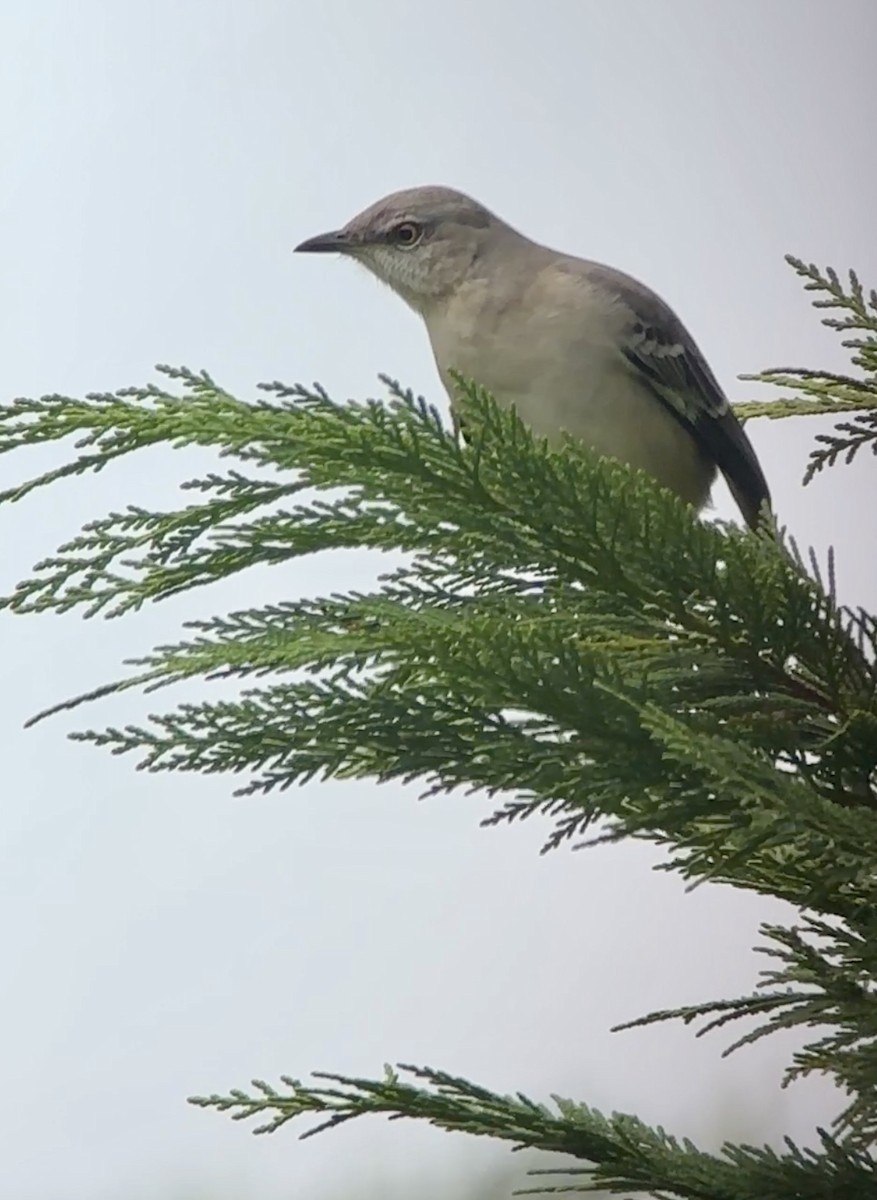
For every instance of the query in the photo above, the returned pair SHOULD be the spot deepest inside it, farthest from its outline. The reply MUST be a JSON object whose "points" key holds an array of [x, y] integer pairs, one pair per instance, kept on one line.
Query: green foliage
{"points": [[823, 392], [563, 636], [625, 1154]]}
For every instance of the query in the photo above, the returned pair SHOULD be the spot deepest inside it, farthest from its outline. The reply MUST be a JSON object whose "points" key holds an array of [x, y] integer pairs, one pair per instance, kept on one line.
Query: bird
{"points": [[575, 346]]}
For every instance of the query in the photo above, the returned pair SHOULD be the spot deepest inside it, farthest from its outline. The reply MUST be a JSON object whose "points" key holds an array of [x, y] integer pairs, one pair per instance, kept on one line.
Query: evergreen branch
{"points": [[552, 579], [582, 744], [824, 392], [564, 635], [847, 440], [816, 404], [824, 979], [623, 1153], [304, 432]]}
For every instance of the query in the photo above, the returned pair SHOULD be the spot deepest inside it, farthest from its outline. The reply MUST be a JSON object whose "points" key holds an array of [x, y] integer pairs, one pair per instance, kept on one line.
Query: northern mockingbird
{"points": [[572, 344]]}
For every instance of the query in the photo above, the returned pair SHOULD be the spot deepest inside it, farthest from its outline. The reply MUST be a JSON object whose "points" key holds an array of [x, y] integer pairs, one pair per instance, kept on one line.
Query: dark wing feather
{"points": [[659, 346]]}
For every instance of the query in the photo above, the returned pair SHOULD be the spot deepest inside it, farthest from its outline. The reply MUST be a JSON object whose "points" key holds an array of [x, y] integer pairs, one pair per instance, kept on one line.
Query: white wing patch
{"points": [[645, 341], [676, 371]]}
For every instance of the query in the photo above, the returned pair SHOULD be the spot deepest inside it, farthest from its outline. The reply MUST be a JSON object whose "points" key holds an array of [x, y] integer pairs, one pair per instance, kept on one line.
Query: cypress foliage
{"points": [[562, 636]]}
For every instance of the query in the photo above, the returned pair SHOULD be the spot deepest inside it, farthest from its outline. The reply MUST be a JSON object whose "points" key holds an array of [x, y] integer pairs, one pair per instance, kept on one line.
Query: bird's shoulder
{"points": [[650, 335], [663, 354]]}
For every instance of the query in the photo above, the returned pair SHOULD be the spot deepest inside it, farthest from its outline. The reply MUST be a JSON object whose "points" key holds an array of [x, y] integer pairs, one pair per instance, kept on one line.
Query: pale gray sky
{"points": [[160, 160]]}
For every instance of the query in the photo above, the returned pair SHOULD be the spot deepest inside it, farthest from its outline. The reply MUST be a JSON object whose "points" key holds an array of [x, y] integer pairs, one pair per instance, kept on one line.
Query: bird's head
{"points": [[422, 242]]}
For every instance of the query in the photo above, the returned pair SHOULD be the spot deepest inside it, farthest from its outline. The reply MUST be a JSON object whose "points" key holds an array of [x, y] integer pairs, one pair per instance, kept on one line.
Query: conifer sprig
{"points": [[553, 631]]}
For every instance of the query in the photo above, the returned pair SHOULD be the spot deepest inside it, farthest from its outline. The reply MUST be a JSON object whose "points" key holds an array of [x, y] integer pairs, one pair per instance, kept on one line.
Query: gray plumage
{"points": [[574, 345]]}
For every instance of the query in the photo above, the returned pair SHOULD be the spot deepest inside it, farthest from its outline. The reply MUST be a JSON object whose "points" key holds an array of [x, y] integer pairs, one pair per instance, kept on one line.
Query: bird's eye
{"points": [[407, 234]]}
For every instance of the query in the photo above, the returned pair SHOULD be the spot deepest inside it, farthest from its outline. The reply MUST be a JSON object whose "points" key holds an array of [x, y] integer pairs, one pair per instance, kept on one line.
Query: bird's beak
{"points": [[335, 242]]}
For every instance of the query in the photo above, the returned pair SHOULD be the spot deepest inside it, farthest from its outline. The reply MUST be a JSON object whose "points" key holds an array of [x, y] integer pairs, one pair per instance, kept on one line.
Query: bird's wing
{"points": [[659, 347]]}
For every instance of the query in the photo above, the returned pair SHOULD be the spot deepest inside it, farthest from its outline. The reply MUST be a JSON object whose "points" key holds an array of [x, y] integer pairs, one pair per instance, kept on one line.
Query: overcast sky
{"points": [[161, 938]]}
